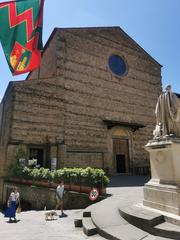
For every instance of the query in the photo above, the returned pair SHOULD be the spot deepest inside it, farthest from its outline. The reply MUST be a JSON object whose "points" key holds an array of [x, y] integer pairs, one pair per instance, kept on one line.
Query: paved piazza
{"points": [[32, 226]]}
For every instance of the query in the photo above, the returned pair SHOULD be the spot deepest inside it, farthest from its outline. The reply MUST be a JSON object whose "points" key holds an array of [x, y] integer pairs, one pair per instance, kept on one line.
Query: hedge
{"points": [[81, 176]]}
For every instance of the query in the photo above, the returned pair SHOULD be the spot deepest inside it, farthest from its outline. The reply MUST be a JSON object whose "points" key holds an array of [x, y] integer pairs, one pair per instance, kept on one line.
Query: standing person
{"points": [[13, 202], [59, 198], [168, 113]]}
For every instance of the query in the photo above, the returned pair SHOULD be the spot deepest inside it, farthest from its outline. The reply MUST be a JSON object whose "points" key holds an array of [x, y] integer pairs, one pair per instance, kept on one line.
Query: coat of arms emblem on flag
{"points": [[21, 34]]}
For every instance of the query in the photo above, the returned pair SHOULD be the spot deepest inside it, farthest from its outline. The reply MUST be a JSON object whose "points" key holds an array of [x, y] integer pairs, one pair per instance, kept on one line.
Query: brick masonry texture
{"points": [[62, 105]]}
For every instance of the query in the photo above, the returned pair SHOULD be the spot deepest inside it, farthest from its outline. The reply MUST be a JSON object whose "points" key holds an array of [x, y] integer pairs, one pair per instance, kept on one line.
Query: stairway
{"points": [[116, 220]]}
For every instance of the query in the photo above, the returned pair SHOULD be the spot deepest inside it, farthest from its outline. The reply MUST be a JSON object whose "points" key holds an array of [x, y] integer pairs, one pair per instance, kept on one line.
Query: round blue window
{"points": [[117, 65]]}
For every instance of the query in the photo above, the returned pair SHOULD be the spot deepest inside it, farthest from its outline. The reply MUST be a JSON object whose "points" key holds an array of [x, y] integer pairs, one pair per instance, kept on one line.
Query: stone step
{"points": [[88, 227], [86, 213], [139, 216], [168, 230], [174, 220], [78, 222], [149, 221], [122, 232], [151, 237], [111, 225], [105, 219]]}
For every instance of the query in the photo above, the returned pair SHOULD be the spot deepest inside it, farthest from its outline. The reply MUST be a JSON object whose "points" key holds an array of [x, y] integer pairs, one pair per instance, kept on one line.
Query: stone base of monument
{"points": [[163, 190], [163, 197]]}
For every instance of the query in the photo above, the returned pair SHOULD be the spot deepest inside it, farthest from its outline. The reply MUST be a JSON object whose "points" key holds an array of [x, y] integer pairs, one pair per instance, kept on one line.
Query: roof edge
{"points": [[44, 48], [140, 47], [103, 27], [110, 27], [10, 85]]}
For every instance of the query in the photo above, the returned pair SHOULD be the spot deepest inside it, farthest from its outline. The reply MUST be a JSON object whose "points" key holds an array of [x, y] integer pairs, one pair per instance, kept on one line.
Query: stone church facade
{"points": [[91, 103]]}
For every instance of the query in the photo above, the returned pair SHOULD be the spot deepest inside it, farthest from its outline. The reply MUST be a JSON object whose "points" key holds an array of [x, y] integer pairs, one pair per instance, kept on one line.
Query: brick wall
{"points": [[67, 99], [33, 197]]}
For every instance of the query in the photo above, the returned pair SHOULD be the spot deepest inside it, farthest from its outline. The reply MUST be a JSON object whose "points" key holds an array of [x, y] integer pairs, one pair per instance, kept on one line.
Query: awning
{"points": [[133, 126]]}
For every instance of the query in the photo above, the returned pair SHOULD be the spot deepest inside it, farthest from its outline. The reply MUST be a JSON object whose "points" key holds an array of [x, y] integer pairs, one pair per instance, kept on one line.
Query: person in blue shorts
{"points": [[12, 204]]}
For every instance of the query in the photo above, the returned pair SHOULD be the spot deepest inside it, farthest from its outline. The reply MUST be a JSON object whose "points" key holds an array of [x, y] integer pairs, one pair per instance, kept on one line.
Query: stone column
{"points": [[163, 190], [61, 155]]}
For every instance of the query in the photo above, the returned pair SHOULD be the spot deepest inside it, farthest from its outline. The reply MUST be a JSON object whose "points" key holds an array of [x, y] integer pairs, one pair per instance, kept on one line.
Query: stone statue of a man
{"points": [[167, 114]]}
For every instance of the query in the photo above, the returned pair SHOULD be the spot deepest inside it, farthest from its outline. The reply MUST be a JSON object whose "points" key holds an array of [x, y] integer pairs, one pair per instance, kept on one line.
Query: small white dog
{"points": [[50, 215]]}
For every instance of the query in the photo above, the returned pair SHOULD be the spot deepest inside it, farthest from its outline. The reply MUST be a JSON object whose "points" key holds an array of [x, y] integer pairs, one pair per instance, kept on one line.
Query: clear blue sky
{"points": [[153, 24]]}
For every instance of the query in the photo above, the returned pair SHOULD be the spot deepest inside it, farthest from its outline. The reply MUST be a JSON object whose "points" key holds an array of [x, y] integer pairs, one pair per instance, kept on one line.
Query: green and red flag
{"points": [[21, 34]]}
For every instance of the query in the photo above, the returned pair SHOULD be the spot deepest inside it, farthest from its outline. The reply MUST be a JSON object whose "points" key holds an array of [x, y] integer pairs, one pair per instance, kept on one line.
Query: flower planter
{"points": [[46, 183], [75, 188], [85, 189], [26, 181], [53, 184], [42, 183], [67, 187], [12, 179], [102, 191], [21, 180]]}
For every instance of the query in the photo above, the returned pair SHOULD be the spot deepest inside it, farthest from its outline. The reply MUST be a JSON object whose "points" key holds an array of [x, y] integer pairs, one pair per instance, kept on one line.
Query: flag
{"points": [[21, 34]]}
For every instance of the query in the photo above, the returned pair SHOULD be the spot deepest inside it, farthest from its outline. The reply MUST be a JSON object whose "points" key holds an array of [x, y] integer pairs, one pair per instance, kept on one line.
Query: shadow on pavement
{"points": [[128, 181], [13, 221]]}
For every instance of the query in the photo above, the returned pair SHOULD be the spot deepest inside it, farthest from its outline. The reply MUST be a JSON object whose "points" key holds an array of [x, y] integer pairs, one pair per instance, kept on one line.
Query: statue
{"points": [[167, 115]]}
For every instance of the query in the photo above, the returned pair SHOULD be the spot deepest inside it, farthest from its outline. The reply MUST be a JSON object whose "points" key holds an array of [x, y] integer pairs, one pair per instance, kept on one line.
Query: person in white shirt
{"points": [[59, 198], [13, 202]]}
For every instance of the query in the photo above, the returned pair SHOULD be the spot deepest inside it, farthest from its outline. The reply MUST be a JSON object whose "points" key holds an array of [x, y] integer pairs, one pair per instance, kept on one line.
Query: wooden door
{"points": [[121, 155]]}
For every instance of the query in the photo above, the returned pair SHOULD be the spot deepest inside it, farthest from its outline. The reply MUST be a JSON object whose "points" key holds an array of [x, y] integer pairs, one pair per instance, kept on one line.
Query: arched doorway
{"points": [[121, 150]]}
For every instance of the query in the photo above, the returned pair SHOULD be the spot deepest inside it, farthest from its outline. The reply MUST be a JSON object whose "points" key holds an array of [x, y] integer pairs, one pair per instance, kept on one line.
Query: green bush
{"points": [[62, 174], [45, 174], [93, 177], [35, 174], [17, 171], [26, 173]]}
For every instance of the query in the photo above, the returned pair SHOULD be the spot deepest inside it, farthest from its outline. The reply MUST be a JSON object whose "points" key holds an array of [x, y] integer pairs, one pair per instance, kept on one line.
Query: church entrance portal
{"points": [[121, 155]]}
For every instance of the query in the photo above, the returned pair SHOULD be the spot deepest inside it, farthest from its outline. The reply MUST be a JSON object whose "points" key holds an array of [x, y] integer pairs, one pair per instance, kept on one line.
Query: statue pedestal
{"points": [[163, 190]]}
